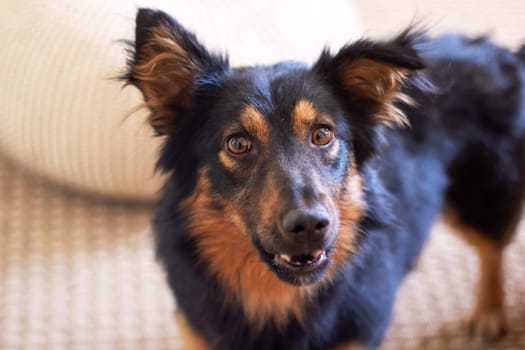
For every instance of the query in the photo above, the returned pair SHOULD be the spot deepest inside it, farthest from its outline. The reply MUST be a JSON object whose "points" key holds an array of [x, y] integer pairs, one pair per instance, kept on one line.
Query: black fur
{"points": [[463, 149]]}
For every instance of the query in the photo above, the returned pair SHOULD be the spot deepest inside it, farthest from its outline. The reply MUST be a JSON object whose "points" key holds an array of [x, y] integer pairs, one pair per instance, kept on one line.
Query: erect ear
{"points": [[368, 75], [167, 63]]}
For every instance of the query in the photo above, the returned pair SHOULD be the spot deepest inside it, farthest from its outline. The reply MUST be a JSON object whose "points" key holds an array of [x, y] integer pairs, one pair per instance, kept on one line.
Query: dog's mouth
{"points": [[300, 263], [299, 269]]}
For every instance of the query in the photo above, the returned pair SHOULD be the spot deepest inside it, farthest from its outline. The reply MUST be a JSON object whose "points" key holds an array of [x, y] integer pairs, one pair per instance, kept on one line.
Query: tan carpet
{"points": [[78, 273]]}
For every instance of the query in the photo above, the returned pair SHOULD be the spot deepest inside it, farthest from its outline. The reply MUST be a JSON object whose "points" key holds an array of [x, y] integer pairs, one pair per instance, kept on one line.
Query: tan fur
{"points": [[255, 123], [227, 161], [190, 339], [351, 206], [270, 199], [305, 116], [488, 318], [165, 74], [377, 85], [229, 254]]}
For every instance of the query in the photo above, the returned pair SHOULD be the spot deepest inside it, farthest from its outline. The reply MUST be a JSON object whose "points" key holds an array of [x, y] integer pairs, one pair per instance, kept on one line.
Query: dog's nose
{"points": [[306, 224]]}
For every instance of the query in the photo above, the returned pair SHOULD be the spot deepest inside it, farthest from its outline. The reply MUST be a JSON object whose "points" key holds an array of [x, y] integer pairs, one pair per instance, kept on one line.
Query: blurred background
{"points": [[76, 167]]}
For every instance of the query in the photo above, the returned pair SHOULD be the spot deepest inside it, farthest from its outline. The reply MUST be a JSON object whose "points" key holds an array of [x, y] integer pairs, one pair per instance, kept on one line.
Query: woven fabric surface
{"points": [[79, 273]]}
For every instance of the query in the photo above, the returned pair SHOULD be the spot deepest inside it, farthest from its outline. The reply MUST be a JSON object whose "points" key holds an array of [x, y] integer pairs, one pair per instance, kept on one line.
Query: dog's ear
{"points": [[167, 63], [369, 74], [368, 77]]}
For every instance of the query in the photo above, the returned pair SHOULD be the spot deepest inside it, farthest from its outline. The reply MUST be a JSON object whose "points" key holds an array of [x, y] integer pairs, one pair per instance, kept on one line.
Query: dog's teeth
{"points": [[317, 253], [286, 257]]}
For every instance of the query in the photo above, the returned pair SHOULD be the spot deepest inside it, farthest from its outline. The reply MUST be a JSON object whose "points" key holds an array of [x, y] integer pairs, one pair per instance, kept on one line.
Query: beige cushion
{"points": [[503, 20], [62, 117]]}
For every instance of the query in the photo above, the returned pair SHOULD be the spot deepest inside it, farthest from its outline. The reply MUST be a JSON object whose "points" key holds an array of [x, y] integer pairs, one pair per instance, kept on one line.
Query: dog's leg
{"points": [[190, 339], [488, 319], [485, 202]]}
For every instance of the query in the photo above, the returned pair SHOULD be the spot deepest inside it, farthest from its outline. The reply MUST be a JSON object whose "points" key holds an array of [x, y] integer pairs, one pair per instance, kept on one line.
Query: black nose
{"points": [[304, 223]]}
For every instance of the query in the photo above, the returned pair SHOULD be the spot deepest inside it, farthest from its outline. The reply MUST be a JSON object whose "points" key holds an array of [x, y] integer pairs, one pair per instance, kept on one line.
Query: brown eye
{"points": [[322, 136], [239, 144]]}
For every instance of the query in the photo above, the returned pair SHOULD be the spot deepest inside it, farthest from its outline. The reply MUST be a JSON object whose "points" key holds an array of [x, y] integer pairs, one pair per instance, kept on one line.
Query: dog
{"points": [[298, 197]]}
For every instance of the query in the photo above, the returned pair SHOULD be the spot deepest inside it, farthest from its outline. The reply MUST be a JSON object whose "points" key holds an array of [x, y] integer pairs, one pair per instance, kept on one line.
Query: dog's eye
{"points": [[322, 136], [238, 144]]}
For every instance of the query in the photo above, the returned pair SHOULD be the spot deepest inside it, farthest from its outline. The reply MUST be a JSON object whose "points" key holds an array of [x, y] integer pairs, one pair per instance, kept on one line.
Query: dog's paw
{"points": [[489, 324]]}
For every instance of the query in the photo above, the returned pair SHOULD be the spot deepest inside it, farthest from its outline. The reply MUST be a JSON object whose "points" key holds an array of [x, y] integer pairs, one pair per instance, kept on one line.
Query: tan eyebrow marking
{"points": [[304, 114], [255, 123]]}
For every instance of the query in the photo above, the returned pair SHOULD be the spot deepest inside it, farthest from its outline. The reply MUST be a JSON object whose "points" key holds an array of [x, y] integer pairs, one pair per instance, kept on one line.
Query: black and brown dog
{"points": [[298, 197]]}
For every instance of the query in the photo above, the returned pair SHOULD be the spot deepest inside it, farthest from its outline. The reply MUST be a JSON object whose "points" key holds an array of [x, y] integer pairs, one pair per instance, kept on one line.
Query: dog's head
{"points": [[270, 155]]}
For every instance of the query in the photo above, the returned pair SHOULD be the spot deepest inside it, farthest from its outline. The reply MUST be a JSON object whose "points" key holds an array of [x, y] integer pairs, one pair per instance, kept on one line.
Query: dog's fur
{"points": [[298, 197]]}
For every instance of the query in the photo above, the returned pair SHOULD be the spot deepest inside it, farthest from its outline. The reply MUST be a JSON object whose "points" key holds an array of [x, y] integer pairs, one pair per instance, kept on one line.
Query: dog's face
{"points": [[277, 150]]}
